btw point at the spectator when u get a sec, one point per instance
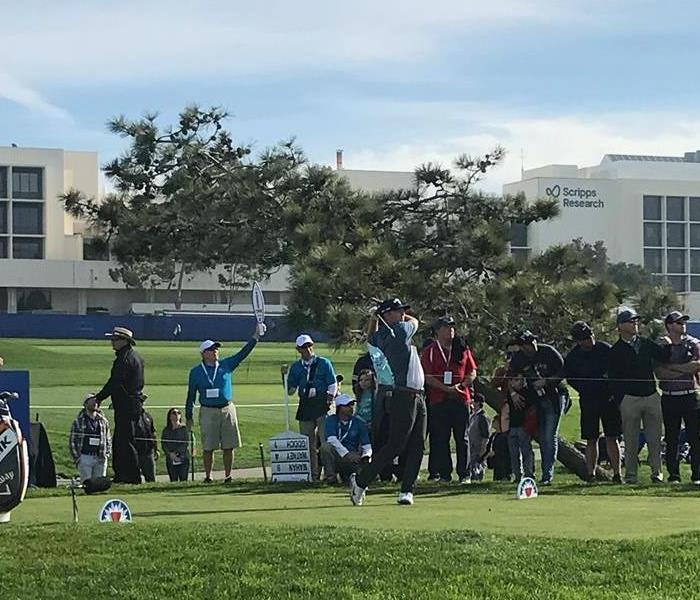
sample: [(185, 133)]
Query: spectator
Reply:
[(125, 387), (498, 453), (520, 398), (90, 443), (450, 370), (392, 345), (679, 399), (346, 443), (175, 442), (542, 367), (366, 387), (585, 368), (477, 438), (315, 379), (363, 363), (631, 374), (212, 381), (146, 446)]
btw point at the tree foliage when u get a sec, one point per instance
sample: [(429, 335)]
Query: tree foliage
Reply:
[(189, 199)]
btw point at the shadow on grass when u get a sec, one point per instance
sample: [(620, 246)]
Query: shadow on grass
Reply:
[(185, 513)]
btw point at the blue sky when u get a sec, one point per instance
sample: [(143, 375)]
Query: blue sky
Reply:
[(392, 83)]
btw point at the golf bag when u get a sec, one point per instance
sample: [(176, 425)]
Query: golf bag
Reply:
[(14, 459)]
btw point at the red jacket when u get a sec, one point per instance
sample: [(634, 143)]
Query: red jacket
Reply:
[(436, 361)]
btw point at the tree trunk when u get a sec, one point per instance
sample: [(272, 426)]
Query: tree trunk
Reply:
[(178, 297)]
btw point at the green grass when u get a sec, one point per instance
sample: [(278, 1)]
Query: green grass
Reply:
[(257, 541), (63, 371)]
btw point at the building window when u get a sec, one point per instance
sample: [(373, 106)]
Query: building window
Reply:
[(3, 247), (675, 235), (653, 260), (519, 243), (675, 261), (3, 217), (28, 218), (95, 249), (27, 247), (3, 182), (28, 300), (675, 208), (652, 234), (677, 283), (652, 208), (27, 183), (694, 209), (695, 284)]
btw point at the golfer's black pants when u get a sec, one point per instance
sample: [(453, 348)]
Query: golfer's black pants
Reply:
[(675, 409), (449, 418), (125, 459), (406, 434)]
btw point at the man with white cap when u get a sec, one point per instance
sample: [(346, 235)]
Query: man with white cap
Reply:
[(314, 377), (211, 379), (346, 443), (125, 387), (679, 398)]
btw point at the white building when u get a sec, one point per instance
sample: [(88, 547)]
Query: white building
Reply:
[(49, 264), (646, 210)]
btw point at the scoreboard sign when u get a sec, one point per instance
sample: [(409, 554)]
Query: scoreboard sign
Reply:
[(289, 453)]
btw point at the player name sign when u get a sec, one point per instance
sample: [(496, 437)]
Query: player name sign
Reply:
[(289, 453)]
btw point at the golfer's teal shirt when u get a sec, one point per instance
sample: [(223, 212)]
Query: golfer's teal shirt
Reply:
[(204, 377)]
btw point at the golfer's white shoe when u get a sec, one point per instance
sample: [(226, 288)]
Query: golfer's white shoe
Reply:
[(357, 493), (405, 498)]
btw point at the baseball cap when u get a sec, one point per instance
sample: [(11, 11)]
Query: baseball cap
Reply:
[(303, 340), (675, 316), (444, 321), (391, 304), (121, 333), (344, 400), (581, 330), (208, 345), (626, 315)]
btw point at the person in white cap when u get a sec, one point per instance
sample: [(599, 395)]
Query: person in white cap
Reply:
[(125, 387), (90, 444), (346, 444), (315, 379), (211, 379)]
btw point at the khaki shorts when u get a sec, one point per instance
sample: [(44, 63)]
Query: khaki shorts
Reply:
[(219, 428)]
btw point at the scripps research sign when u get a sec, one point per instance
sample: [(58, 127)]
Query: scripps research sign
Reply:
[(575, 196)]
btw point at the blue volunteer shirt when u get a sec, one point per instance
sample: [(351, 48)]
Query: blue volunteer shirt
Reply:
[(204, 377), (352, 435)]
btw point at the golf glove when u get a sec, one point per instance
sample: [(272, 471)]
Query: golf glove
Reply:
[(261, 329)]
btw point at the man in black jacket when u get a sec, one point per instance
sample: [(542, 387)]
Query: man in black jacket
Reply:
[(125, 386), (631, 374), (586, 367)]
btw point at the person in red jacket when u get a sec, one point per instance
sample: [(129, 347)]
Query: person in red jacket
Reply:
[(450, 370)]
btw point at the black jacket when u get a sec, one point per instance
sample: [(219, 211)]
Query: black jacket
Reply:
[(632, 371), (125, 384)]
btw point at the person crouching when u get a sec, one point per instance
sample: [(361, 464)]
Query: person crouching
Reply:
[(346, 444)]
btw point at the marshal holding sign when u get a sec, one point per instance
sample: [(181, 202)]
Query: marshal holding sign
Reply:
[(289, 452), (14, 460)]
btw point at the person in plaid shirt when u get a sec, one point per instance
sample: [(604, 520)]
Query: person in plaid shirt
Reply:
[(90, 441)]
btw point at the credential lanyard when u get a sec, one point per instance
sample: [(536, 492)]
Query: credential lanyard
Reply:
[(216, 369), (340, 428), (447, 358)]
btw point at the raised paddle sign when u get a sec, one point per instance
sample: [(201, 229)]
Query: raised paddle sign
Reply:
[(258, 303)]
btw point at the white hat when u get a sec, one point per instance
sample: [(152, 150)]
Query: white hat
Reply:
[(303, 339), (208, 345), (121, 333), (343, 400)]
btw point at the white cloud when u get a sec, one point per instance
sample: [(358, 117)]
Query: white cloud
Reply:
[(15, 91), (88, 43), (579, 139)]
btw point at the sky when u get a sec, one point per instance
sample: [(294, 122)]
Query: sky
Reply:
[(393, 83)]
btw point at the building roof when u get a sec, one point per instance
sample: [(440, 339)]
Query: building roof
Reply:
[(689, 157)]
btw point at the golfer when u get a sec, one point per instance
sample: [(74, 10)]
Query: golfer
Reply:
[(392, 344)]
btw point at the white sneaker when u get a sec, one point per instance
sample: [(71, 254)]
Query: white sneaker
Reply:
[(405, 498), (357, 493), (696, 481)]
